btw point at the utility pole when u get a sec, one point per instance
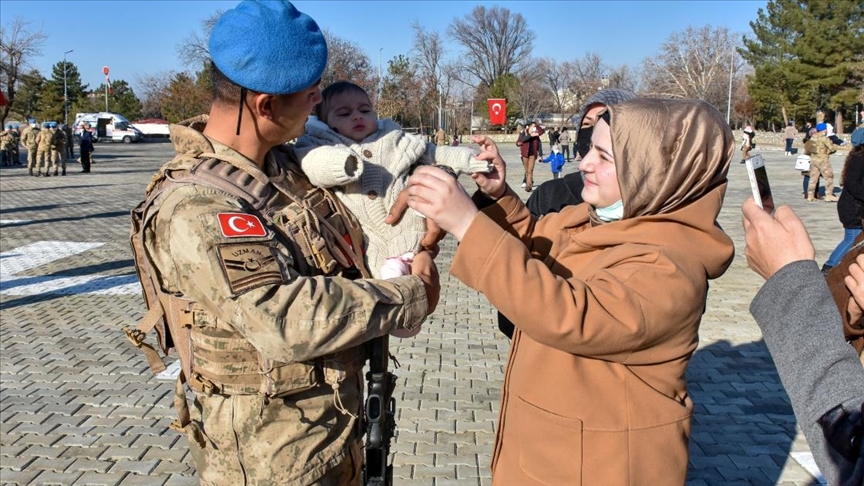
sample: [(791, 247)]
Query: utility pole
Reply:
[(729, 102), (65, 99), (380, 79)]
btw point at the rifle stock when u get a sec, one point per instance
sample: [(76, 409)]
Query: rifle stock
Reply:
[(380, 415)]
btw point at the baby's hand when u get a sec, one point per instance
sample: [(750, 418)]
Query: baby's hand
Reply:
[(397, 266)]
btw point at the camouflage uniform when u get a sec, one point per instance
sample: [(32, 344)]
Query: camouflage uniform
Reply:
[(70, 142), (44, 151), (6, 139), (29, 139), (820, 164), (58, 150), (261, 290)]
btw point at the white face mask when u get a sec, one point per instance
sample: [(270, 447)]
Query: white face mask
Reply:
[(611, 213)]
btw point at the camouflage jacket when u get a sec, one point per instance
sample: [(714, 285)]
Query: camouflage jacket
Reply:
[(6, 139), (29, 137), (823, 147), (217, 250)]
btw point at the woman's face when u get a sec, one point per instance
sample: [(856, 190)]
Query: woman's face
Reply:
[(598, 169)]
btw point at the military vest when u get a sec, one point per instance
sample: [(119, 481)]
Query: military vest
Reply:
[(215, 358)]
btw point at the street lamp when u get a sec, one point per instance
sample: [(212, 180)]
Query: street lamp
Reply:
[(65, 100)]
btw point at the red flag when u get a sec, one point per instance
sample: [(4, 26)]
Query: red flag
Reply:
[(497, 111), (108, 82), (235, 225)]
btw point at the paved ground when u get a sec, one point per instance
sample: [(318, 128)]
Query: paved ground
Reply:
[(79, 405)]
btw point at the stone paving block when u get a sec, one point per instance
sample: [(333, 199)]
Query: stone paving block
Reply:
[(15, 463), (148, 480), (83, 464), (134, 466), (753, 475), (177, 480), (171, 468), (47, 464), (116, 453), (77, 441), (44, 451), (457, 482), (100, 479), (64, 479), (18, 477), (437, 472)]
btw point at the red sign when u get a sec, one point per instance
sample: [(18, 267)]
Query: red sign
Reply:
[(497, 111), (105, 70), (236, 225)]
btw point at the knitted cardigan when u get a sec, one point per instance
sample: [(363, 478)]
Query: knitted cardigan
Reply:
[(368, 176)]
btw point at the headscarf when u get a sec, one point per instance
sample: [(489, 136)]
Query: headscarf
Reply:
[(668, 153)]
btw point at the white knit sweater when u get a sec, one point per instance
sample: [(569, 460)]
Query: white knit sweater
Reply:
[(368, 176)]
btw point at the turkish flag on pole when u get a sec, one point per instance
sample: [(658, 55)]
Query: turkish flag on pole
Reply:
[(497, 111)]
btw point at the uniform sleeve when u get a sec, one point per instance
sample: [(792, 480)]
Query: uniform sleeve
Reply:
[(613, 315), (251, 283)]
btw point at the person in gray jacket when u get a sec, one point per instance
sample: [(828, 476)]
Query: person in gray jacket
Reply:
[(804, 333)]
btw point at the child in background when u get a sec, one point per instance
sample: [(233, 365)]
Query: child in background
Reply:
[(555, 161), (367, 162)]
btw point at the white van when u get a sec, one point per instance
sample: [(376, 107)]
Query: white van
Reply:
[(107, 126)]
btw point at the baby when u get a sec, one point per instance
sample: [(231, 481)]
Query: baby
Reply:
[(367, 162)]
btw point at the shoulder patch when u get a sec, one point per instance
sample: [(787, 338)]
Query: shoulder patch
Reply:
[(240, 225), (249, 265)]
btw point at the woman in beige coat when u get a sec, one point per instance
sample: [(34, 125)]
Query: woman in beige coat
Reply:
[(606, 296)]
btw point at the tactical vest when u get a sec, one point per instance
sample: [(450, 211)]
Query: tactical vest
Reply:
[(214, 357)]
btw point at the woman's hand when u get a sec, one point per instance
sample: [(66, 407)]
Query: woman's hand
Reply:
[(495, 182), (438, 196), (855, 283), (773, 243)]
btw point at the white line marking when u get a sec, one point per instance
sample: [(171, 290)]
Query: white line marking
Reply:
[(14, 221), (40, 253), (807, 462)]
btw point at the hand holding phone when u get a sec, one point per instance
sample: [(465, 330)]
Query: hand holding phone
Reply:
[(759, 183)]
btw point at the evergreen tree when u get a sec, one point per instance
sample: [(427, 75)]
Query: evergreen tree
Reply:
[(803, 53), (28, 100), (52, 92), (121, 99)]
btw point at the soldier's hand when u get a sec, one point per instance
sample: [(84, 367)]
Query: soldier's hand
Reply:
[(434, 233), (424, 267)]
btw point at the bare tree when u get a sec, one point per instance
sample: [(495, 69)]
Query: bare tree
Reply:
[(347, 62), (428, 52), (692, 64), (496, 42), (17, 46), (154, 90), (193, 50), (530, 95), (556, 79)]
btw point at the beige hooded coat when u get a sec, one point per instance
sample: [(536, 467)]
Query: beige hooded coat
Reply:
[(607, 314)]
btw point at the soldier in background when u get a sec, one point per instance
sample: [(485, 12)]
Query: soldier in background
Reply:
[(28, 138), (280, 320), (820, 164), (58, 149), (6, 139), (70, 142), (44, 142)]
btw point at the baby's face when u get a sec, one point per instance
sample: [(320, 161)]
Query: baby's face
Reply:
[(351, 115)]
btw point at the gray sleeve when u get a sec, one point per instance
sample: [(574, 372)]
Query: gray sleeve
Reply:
[(804, 333)]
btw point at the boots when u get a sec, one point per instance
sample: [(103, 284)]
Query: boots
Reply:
[(56, 172), (810, 197), (31, 171), (830, 197), (64, 171)]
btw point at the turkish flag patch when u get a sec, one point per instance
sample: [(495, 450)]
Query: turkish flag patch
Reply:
[(240, 225)]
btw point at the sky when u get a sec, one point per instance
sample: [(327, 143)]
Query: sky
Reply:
[(135, 38)]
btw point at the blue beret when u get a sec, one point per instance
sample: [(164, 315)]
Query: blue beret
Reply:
[(269, 47), (821, 126)]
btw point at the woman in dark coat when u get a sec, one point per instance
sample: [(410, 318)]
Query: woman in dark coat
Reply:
[(850, 207)]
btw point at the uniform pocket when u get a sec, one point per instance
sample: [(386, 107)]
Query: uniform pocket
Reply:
[(550, 446)]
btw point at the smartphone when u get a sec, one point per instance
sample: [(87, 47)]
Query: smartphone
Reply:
[(759, 183)]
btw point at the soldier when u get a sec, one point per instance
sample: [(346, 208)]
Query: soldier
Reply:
[(70, 142), (6, 139), (249, 266), (16, 134), (44, 152), (58, 148), (820, 163), (29, 139)]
